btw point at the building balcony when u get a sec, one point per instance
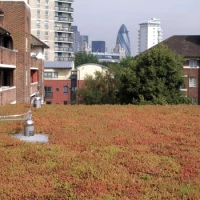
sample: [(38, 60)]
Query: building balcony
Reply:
[(63, 29), (61, 58), (7, 56), (64, 19), (7, 95), (63, 49), (64, 9), (64, 39)]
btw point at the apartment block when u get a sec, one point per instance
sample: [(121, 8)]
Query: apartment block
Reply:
[(149, 34), (51, 22)]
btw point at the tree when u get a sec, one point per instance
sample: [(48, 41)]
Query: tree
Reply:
[(153, 77), (83, 57), (98, 89)]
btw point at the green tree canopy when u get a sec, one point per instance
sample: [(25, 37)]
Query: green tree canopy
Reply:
[(153, 77), (83, 57), (97, 89)]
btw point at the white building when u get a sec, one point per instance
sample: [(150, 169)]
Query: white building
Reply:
[(149, 34), (51, 22)]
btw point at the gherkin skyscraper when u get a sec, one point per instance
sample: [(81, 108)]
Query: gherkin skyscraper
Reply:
[(123, 40)]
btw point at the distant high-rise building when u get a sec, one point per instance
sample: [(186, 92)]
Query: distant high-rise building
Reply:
[(51, 22), (99, 46), (84, 42), (76, 38), (80, 41), (150, 34), (123, 40)]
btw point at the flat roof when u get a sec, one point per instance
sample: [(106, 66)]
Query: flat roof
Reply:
[(58, 64)]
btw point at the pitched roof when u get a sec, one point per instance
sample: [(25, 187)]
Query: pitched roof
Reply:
[(185, 45), (36, 42), (58, 64)]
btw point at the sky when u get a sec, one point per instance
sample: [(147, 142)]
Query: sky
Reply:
[(101, 19)]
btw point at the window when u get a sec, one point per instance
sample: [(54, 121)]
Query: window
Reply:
[(47, 2), (192, 82), (48, 92), (38, 13), (46, 24), (48, 102), (46, 13), (46, 33), (46, 53), (38, 33), (193, 100), (65, 102), (50, 74), (57, 89), (38, 23), (193, 63), (38, 1), (65, 89)]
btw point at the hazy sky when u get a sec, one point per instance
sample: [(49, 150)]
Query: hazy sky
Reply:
[(101, 19)]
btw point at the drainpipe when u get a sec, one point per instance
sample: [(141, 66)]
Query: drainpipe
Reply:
[(1, 97)]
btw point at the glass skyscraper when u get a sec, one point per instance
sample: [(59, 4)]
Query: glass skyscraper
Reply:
[(123, 40), (99, 46)]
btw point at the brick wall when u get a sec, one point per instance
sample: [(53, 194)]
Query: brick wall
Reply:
[(7, 56), (7, 96), (17, 21), (58, 96), (192, 92)]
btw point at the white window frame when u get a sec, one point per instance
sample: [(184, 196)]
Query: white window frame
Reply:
[(193, 63), (192, 82)]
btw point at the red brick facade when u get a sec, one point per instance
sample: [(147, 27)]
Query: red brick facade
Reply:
[(57, 93), (17, 21), (192, 92), (8, 96), (7, 56), (16, 64)]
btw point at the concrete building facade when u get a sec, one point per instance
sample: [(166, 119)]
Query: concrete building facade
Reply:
[(51, 22), (149, 34)]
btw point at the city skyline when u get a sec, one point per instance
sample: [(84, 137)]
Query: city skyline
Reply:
[(100, 20)]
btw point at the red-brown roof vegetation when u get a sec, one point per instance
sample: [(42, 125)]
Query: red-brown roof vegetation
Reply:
[(103, 152)]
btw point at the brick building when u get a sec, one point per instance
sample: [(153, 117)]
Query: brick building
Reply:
[(57, 82), (188, 46), (61, 80), (16, 73)]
